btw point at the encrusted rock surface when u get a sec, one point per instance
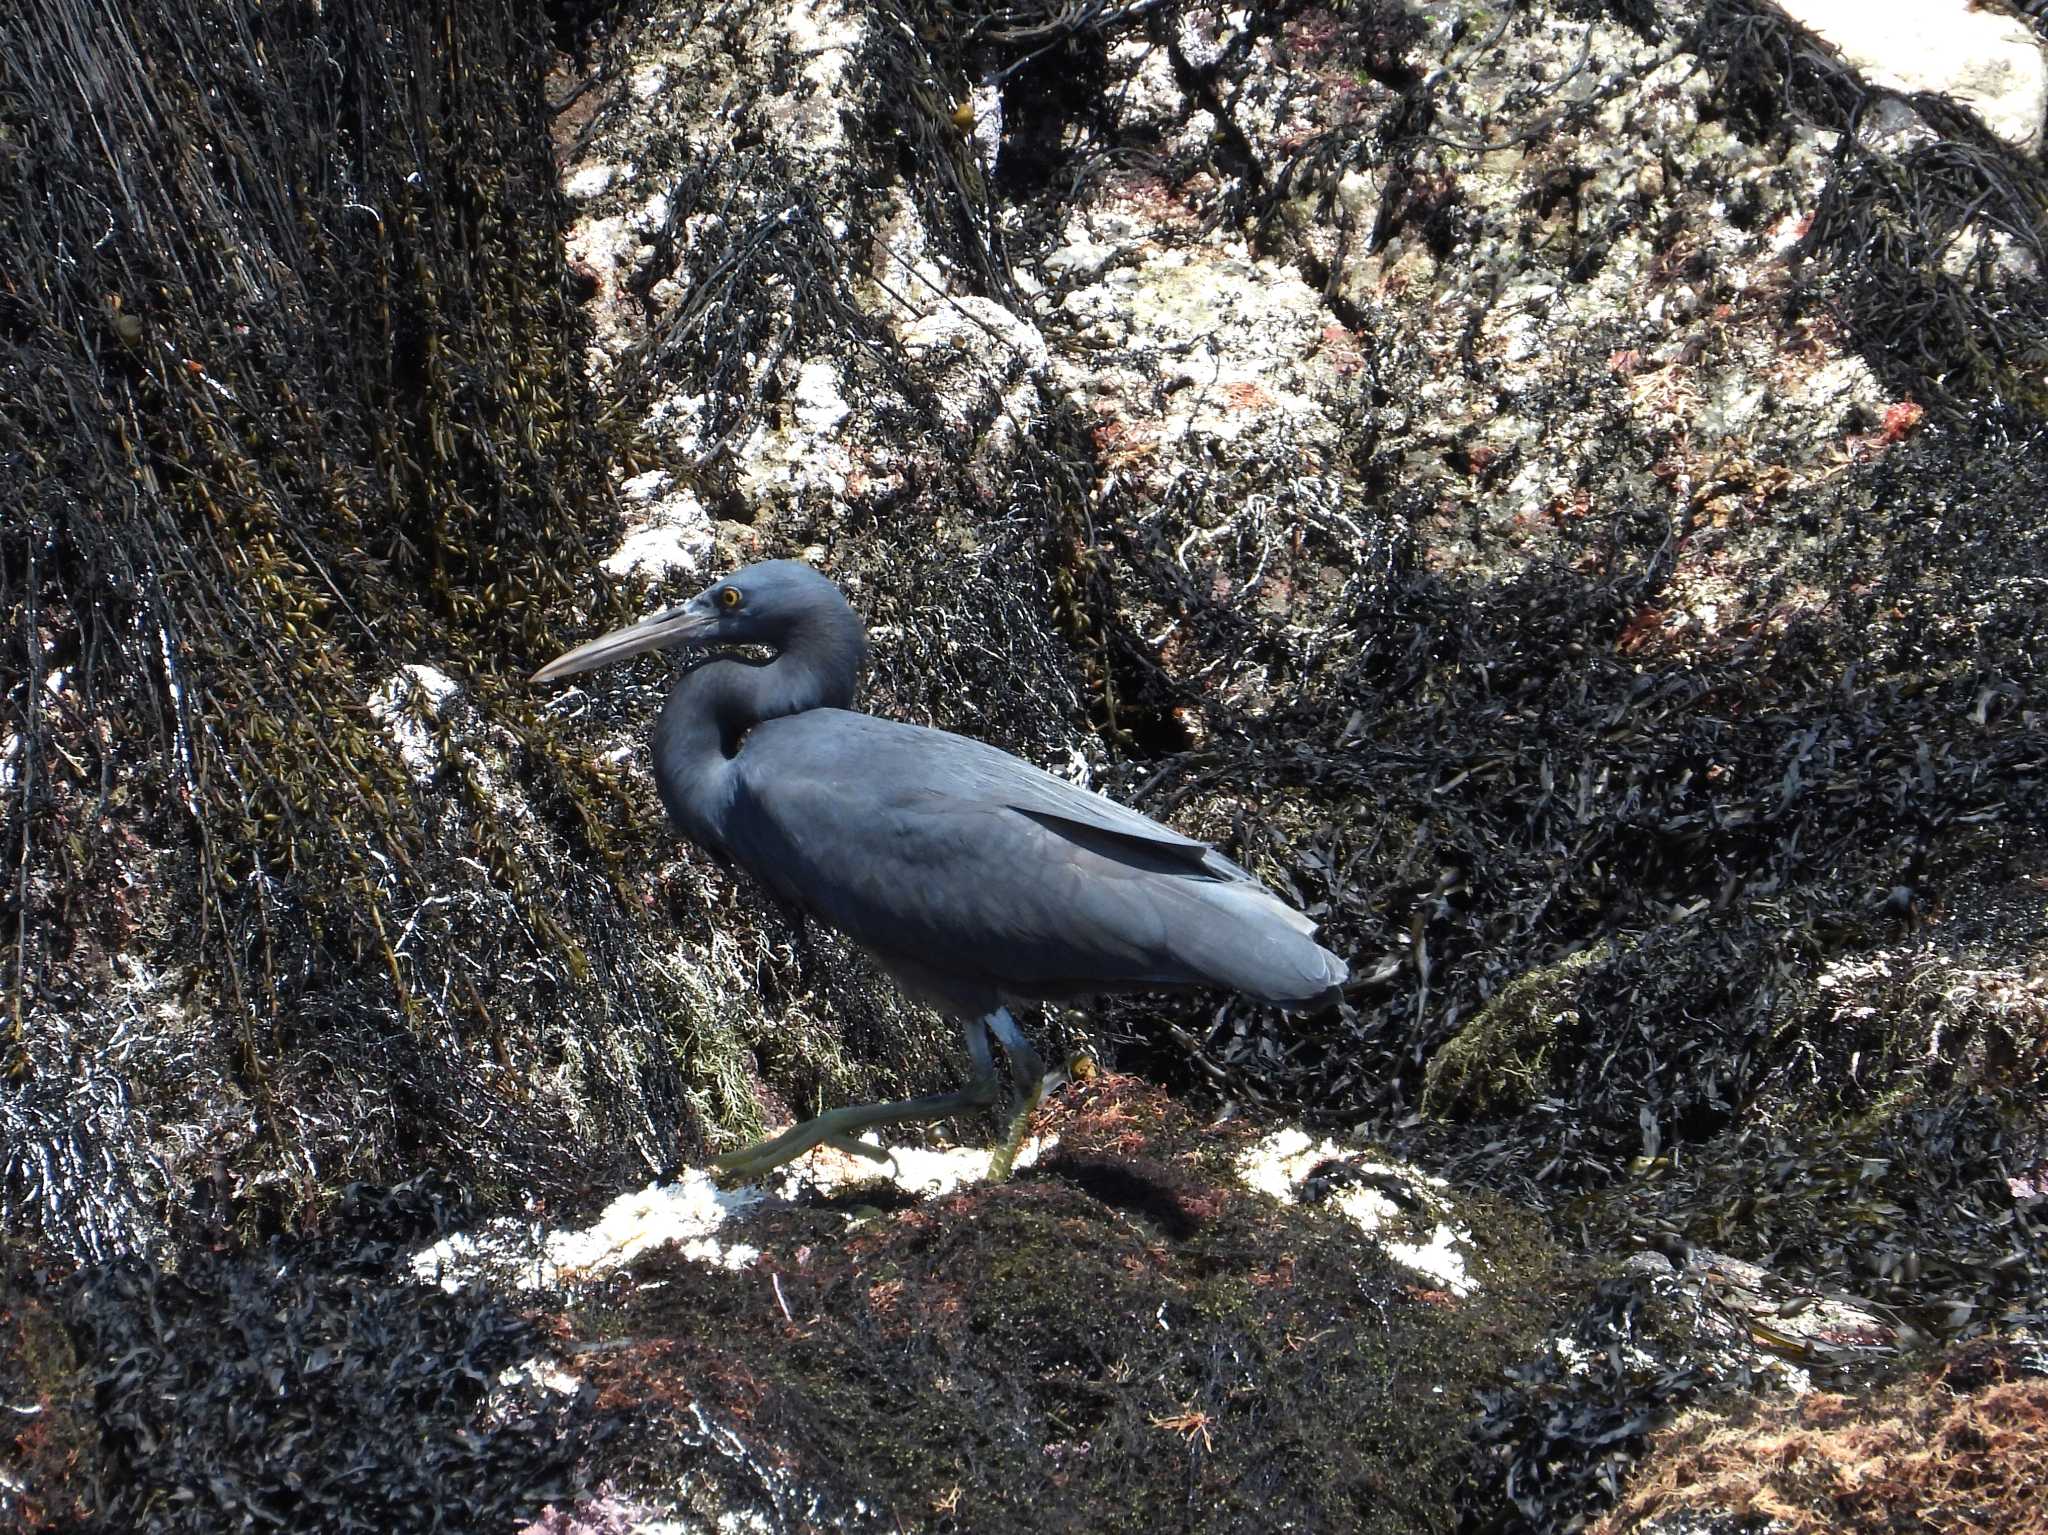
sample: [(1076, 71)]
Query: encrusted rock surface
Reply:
[(1586, 293)]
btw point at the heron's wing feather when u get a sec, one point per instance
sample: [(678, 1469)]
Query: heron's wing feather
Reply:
[(978, 772), (963, 859), (846, 742)]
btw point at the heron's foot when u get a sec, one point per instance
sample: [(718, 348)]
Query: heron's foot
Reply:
[(1030, 1083), (842, 1127), (855, 1147), (1002, 1161), (1030, 1093)]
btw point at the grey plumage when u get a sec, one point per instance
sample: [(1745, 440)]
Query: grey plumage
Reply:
[(972, 878)]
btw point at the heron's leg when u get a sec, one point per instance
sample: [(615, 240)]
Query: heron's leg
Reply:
[(1025, 1064), (980, 1055), (1029, 1083), (839, 1127)]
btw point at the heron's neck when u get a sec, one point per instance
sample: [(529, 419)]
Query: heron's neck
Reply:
[(710, 710)]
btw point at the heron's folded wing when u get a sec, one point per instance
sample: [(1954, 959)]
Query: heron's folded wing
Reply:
[(1024, 899), (850, 748)]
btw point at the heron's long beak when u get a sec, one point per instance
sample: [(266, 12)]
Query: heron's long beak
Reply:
[(694, 620)]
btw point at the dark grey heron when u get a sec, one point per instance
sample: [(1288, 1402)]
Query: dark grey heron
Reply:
[(970, 877)]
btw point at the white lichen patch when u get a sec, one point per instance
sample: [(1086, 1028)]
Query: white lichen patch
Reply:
[(690, 1214), (807, 452), (817, 403), (984, 105), (824, 39), (687, 1214), (668, 530), (907, 280), (408, 704), (589, 181), (606, 250), (1639, 264), (548, 1376), (1277, 1164), (985, 365), (928, 1171), (623, 180), (1198, 347), (1579, 1358), (1149, 96)]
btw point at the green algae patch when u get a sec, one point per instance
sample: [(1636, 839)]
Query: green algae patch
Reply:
[(1119, 1339), (1501, 1059)]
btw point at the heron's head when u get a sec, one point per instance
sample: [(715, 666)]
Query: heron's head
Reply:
[(765, 604)]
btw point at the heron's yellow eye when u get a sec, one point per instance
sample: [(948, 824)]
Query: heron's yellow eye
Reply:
[(729, 597)]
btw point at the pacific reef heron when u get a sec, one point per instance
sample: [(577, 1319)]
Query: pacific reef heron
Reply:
[(970, 877)]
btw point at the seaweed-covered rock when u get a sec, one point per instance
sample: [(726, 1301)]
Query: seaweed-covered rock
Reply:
[(313, 1386), (1126, 1334), (305, 889), (49, 1451)]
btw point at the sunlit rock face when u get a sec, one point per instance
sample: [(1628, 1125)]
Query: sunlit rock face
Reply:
[(1987, 60)]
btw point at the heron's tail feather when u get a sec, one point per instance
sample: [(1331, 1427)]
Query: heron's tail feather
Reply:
[(1237, 934)]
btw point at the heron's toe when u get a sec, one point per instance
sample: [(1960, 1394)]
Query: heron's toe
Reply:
[(744, 1166), (855, 1146), (763, 1157)]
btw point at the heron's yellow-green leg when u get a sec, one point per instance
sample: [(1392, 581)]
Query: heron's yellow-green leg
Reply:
[(840, 1127)]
